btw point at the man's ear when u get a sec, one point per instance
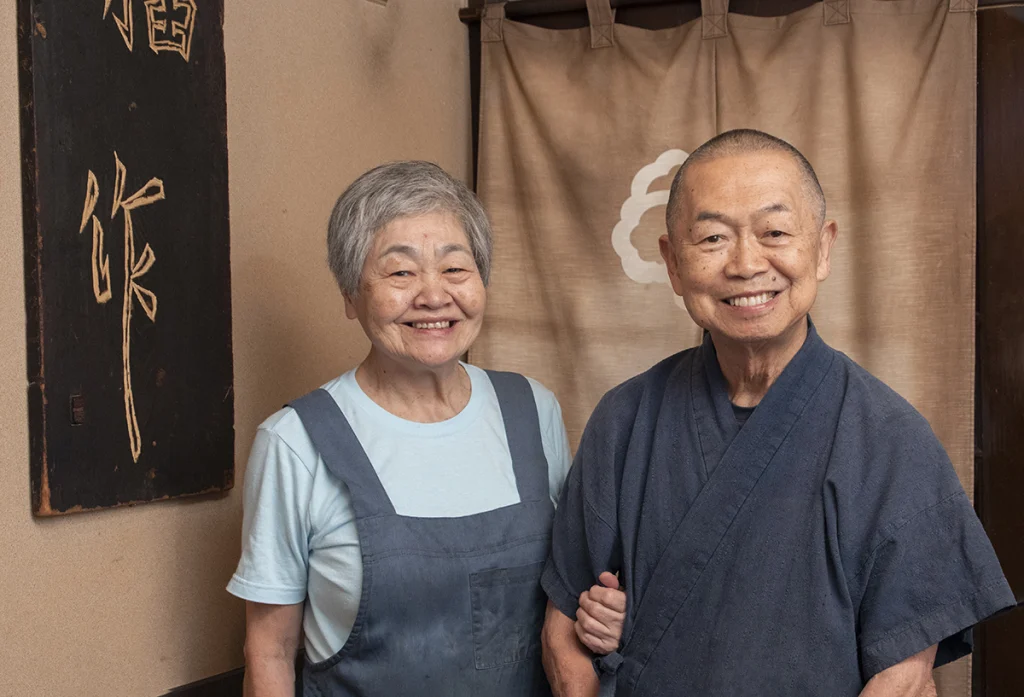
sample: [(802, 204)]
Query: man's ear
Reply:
[(668, 253), (350, 308), (826, 240)]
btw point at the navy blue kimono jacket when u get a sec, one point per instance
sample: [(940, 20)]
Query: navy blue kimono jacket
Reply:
[(822, 542)]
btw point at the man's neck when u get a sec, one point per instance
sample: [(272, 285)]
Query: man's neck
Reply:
[(750, 369)]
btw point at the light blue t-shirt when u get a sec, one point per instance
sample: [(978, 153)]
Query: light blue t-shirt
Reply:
[(299, 538)]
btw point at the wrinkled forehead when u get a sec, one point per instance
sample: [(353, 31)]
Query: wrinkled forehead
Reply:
[(744, 185), (432, 228)]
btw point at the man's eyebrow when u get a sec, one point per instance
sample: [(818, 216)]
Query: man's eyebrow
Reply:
[(722, 218), (403, 249), (711, 215)]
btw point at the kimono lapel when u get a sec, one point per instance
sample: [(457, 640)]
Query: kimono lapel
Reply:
[(712, 412), (735, 459)]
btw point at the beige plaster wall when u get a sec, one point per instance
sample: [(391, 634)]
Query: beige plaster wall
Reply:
[(130, 602)]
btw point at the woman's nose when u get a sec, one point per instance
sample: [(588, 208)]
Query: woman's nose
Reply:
[(432, 292)]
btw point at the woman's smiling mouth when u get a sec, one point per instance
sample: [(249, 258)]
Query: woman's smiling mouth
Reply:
[(444, 324)]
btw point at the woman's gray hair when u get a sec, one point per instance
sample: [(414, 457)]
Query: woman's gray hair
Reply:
[(392, 191)]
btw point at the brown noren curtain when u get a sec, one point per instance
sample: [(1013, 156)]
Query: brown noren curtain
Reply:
[(582, 130)]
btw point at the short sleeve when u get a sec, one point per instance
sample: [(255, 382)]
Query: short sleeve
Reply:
[(929, 573), (929, 583), (553, 437), (275, 524), (583, 541)]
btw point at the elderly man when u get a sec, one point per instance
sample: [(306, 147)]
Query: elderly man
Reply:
[(783, 522)]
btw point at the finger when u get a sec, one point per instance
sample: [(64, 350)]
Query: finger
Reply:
[(589, 640), (612, 599), (595, 644), (588, 624), (609, 580), (601, 648), (600, 611), (580, 633), (594, 628)]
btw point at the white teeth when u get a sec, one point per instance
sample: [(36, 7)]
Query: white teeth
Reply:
[(431, 325), (751, 300)]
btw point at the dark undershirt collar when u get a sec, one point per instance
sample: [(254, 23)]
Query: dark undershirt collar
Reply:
[(742, 413)]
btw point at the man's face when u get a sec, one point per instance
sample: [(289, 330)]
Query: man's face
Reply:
[(746, 251)]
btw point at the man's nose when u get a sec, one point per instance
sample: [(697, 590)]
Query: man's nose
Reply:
[(746, 259)]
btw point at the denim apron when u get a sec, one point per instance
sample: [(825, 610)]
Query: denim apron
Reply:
[(449, 606)]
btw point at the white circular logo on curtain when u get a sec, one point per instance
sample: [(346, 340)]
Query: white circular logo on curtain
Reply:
[(641, 200)]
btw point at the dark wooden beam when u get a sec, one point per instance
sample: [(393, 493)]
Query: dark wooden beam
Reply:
[(1000, 335), (641, 12)]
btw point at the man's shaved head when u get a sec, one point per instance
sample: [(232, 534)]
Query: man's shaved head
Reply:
[(740, 142)]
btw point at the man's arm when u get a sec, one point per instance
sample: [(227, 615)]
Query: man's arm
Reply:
[(566, 662), (911, 677), (271, 643)]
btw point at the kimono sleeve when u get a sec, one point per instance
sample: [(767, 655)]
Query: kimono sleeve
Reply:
[(585, 538), (929, 572)]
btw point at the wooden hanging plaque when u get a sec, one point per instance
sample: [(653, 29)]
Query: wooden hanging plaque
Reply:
[(127, 277)]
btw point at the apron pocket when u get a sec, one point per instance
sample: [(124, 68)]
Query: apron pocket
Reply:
[(508, 614)]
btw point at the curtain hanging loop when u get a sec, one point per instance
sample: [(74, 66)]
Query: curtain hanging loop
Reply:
[(714, 18), (602, 23), (491, 23), (963, 5), (837, 12)]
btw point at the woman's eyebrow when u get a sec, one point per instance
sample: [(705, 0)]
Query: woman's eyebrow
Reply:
[(403, 249), (452, 247)]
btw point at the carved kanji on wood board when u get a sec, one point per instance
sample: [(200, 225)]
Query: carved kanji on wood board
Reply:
[(124, 161)]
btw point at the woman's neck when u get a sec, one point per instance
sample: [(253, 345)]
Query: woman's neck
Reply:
[(415, 392)]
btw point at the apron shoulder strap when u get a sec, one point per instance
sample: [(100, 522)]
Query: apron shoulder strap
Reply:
[(342, 453), (522, 429)]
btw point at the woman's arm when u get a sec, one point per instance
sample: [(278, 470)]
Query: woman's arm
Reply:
[(566, 662), (908, 678), (271, 643)]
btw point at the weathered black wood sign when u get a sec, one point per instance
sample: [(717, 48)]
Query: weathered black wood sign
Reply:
[(127, 272)]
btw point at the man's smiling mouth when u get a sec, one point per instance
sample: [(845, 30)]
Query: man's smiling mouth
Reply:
[(751, 300)]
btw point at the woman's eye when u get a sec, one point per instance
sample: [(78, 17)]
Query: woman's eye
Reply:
[(454, 269), (400, 274)]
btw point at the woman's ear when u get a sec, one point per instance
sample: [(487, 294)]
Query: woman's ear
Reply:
[(350, 307)]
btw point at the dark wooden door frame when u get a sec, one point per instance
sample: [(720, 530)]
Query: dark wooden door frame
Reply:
[(999, 404)]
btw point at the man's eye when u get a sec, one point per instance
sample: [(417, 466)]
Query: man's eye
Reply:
[(776, 233), (713, 239), (453, 269)]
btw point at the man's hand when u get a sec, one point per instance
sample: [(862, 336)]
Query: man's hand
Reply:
[(601, 615), (911, 677)]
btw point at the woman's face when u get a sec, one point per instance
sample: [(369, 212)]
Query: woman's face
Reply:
[(421, 299)]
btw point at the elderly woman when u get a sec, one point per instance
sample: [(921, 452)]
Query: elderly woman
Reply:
[(400, 515)]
